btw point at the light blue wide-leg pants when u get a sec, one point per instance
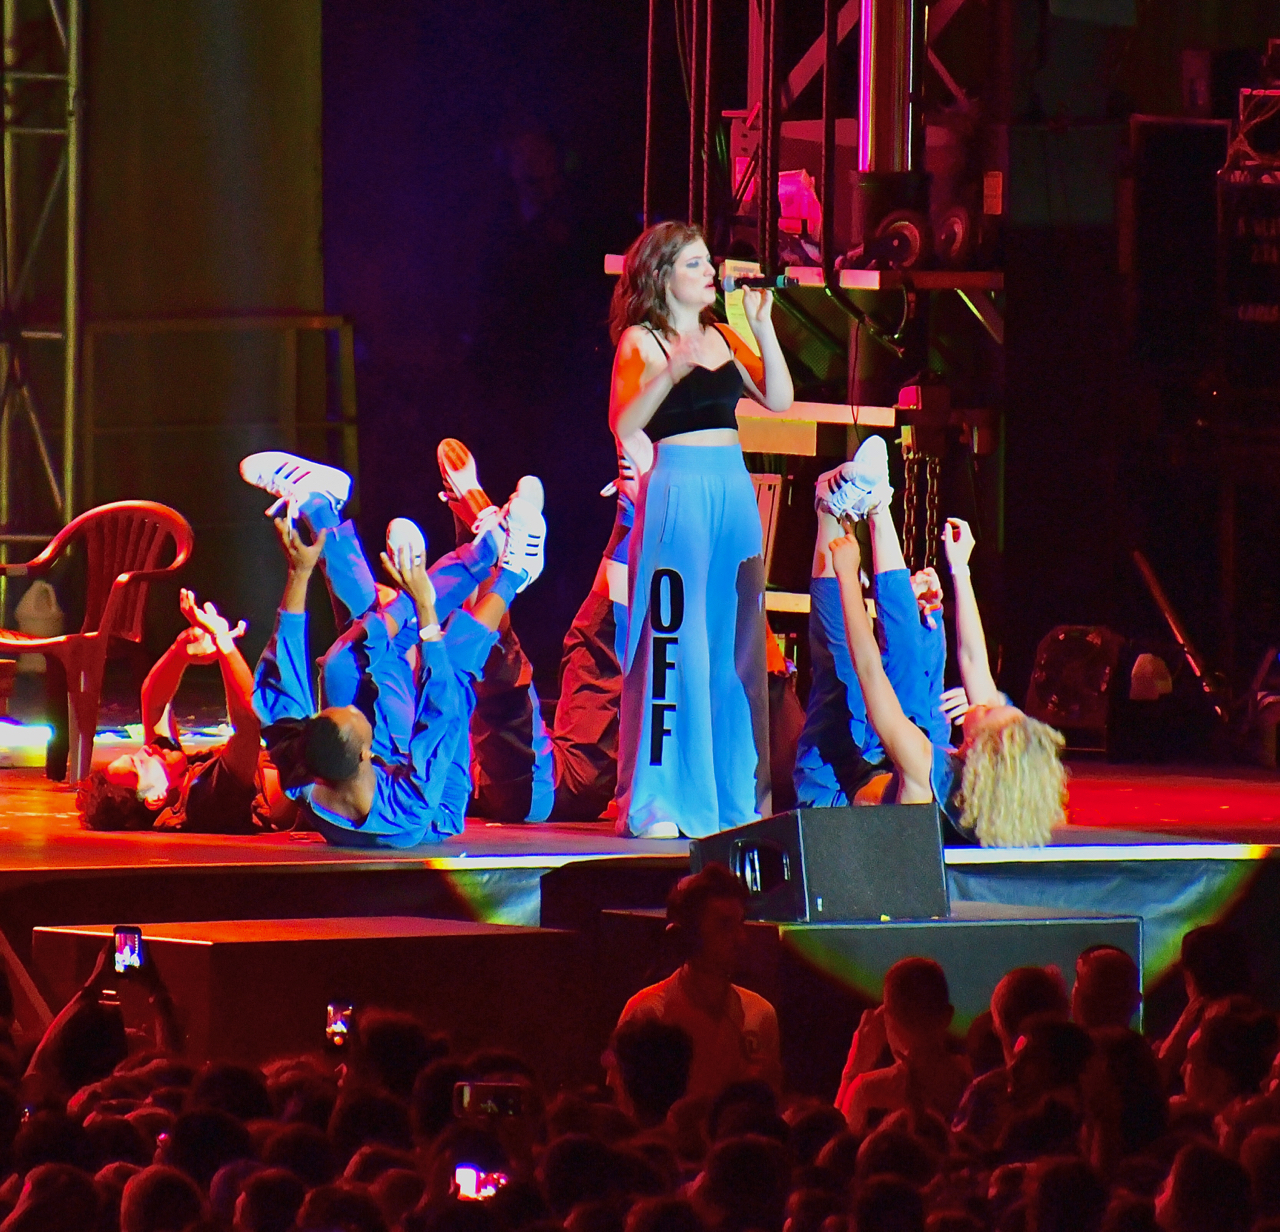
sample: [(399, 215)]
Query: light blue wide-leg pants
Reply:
[(694, 721)]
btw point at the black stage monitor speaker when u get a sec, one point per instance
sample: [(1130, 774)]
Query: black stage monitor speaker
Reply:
[(830, 865)]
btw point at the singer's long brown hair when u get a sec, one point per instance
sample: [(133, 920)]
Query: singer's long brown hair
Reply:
[(640, 298)]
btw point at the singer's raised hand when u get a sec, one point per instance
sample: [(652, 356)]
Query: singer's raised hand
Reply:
[(758, 306)]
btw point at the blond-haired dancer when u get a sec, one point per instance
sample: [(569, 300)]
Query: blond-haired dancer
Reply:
[(1005, 785)]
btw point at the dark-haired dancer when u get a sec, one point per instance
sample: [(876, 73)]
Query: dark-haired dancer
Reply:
[(693, 752), (334, 763), (228, 789)]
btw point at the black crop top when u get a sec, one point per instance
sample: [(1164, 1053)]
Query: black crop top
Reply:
[(706, 398)]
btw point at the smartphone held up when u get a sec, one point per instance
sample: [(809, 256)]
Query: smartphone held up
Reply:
[(339, 1019), (472, 1184), (481, 1100), (128, 949)]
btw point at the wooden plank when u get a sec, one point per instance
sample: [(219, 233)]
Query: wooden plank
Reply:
[(875, 416), (230, 324), (922, 280), (800, 429), (789, 436), (786, 601), (799, 412), (806, 275)]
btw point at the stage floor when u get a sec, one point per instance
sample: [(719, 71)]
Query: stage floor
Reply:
[(1229, 804), (1109, 806), (39, 829)]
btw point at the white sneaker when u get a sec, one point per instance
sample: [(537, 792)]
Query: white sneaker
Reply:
[(529, 488), (660, 829), (293, 479), (403, 533), (857, 488), (462, 491), (490, 523), (526, 531)]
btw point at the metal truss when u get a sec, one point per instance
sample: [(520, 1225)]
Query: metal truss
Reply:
[(39, 213), (771, 91)]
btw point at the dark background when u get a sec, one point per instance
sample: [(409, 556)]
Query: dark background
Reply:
[(479, 161)]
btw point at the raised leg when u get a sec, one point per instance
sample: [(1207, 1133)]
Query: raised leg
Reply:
[(585, 732), (838, 748)]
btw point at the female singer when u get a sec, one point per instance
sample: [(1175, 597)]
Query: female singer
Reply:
[(693, 752)]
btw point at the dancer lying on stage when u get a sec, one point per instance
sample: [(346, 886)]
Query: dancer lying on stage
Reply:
[(386, 763), (1005, 785), (229, 789), (839, 752)]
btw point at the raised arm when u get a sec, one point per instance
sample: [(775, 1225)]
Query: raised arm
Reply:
[(302, 560), (773, 389), (50, 1061), (241, 753), (282, 683), (971, 642), (161, 686), (908, 747), (865, 1052)]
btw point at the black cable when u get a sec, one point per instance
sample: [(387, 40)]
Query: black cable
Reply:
[(682, 50)]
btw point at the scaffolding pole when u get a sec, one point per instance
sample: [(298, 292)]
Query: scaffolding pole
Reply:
[(42, 102), (71, 290)]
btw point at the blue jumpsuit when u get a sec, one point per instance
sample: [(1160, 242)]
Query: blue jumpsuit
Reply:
[(420, 720), (368, 666), (694, 722), (839, 751), (417, 798)]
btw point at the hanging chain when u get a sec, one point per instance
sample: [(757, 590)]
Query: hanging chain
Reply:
[(933, 471), (910, 499)]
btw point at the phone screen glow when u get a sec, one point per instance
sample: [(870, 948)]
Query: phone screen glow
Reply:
[(128, 950)]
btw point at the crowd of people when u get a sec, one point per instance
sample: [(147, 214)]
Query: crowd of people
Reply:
[(1051, 1114)]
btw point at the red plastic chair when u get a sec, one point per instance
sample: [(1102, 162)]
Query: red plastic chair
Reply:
[(123, 542)]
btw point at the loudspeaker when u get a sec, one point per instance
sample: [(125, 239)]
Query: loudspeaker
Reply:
[(1074, 674), (830, 865), (1249, 222)]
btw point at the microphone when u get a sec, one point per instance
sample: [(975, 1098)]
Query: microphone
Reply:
[(758, 282)]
